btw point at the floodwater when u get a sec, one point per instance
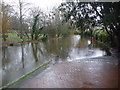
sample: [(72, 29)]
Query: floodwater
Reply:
[(20, 59)]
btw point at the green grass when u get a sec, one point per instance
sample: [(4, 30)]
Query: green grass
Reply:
[(14, 38), (22, 77), (12, 34)]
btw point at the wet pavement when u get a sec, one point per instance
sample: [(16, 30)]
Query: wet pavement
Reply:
[(101, 72)]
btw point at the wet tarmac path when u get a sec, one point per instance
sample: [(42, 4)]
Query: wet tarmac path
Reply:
[(99, 72)]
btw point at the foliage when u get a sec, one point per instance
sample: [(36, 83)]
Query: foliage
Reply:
[(56, 27), (77, 32), (36, 30), (63, 29), (101, 35), (78, 13), (89, 14), (58, 30)]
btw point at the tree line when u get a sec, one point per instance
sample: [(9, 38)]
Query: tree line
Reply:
[(87, 15), (83, 16), (32, 22)]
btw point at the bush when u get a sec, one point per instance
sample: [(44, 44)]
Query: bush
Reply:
[(101, 35)]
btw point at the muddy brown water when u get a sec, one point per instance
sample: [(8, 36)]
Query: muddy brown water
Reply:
[(19, 59)]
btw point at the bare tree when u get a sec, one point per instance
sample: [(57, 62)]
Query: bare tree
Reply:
[(21, 17), (22, 8), (42, 16), (14, 22), (5, 20)]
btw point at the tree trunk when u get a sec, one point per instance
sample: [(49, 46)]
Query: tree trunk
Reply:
[(21, 19)]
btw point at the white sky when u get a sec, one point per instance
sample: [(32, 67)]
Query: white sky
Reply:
[(46, 5)]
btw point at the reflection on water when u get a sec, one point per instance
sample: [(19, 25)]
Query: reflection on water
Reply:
[(18, 60)]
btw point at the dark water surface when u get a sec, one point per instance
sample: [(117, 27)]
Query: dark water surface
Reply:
[(21, 59)]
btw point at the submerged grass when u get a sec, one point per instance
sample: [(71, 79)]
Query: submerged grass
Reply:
[(22, 77)]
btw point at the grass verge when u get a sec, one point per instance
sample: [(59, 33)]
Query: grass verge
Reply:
[(22, 77)]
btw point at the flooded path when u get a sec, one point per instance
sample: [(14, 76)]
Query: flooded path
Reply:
[(99, 72), (20, 59)]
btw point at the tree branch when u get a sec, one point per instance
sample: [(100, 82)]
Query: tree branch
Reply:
[(96, 10)]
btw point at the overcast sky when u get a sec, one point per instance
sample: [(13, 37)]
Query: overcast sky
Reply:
[(43, 4), (47, 5)]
